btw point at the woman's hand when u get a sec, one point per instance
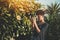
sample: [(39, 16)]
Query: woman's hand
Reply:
[(33, 20), (35, 24)]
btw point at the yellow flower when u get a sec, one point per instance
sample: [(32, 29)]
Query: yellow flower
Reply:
[(22, 5), (18, 17)]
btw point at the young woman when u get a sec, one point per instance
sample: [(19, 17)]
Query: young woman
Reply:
[(39, 26)]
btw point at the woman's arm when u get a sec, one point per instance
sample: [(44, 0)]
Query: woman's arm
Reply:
[(36, 26), (32, 23)]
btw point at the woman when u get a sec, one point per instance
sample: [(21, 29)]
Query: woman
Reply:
[(40, 26)]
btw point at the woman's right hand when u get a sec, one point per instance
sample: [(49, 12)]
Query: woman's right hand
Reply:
[(33, 20), (35, 24)]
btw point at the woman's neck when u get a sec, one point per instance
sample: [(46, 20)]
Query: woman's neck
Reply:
[(42, 22)]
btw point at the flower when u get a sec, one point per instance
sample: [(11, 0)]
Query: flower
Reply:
[(24, 5), (18, 17)]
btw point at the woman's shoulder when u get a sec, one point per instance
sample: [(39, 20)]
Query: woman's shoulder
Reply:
[(46, 24)]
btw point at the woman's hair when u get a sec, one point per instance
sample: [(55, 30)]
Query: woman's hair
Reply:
[(40, 12)]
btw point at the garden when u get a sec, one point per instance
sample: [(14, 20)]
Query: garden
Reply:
[(15, 16)]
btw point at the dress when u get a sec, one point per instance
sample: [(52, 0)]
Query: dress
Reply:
[(41, 35)]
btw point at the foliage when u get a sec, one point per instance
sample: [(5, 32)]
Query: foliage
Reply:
[(54, 22), (23, 5), (15, 17)]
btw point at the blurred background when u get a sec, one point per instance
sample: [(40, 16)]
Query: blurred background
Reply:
[(15, 16)]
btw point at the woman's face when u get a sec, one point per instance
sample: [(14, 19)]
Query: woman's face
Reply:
[(40, 17)]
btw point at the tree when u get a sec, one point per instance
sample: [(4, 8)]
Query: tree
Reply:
[(54, 21), (53, 10)]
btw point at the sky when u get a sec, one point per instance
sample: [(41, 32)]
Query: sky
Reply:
[(48, 2)]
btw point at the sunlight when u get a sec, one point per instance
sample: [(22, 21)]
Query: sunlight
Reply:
[(23, 5)]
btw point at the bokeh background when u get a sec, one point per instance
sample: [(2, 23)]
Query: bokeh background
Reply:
[(15, 16)]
